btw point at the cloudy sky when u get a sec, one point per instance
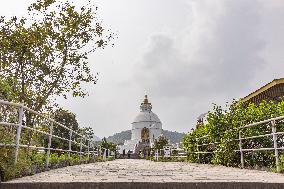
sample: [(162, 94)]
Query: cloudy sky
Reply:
[(185, 54)]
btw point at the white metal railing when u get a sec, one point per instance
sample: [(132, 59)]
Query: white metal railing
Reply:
[(13, 115), (271, 122), (162, 153)]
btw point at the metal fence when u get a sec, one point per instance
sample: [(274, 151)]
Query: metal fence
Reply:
[(276, 140), (169, 152), (13, 119)]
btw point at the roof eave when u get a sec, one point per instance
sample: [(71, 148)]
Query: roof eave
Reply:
[(262, 89)]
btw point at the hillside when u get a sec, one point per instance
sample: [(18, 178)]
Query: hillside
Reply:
[(95, 138), (173, 136), (119, 138)]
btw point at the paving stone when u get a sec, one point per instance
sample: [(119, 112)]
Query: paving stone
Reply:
[(129, 170)]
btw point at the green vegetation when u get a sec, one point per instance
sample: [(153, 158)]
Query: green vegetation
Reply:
[(43, 56), (69, 120), (33, 161), (223, 126), (36, 162), (108, 145), (160, 142)]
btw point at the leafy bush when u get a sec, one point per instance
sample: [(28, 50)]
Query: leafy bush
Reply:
[(32, 162), (223, 128), (111, 158)]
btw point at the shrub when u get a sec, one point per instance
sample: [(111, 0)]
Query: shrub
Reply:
[(223, 128)]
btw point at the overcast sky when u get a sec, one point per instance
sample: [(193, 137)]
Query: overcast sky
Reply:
[(185, 54)]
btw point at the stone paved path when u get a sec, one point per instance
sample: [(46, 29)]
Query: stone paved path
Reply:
[(147, 171)]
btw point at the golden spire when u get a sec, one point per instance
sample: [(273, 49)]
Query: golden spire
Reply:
[(146, 105), (146, 99)]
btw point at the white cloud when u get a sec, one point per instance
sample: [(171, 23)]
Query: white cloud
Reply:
[(186, 54)]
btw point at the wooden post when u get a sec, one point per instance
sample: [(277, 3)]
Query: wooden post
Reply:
[(273, 124), (241, 149), (49, 144), (21, 116)]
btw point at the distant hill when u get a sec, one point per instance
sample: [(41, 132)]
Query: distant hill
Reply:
[(173, 136), (119, 138), (95, 138)]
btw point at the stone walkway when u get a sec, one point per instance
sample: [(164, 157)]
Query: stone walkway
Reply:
[(130, 170)]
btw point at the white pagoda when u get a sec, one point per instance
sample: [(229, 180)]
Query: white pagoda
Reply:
[(146, 127)]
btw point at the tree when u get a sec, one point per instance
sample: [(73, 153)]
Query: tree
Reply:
[(6, 91), (46, 54), (88, 132), (108, 145), (160, 142), (69, 120)]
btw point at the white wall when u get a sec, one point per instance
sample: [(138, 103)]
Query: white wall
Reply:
[(155, 129)]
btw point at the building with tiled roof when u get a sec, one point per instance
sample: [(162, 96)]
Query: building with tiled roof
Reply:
[(273, 91)]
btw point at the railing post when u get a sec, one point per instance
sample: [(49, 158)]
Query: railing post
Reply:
[(70, 145), (93, 150), (275, 145), (104, 152), (99, 151), (21, 116), (197, 150), (88, 149), (157, 155), (80, 155), (49, 144), (241, 149), (104, 155)]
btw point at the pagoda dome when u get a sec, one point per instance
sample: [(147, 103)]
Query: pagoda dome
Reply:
[(146, 127), (145, 116)]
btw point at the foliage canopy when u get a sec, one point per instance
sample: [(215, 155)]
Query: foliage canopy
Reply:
[(223, 127), (160, 142), (46, 54)]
